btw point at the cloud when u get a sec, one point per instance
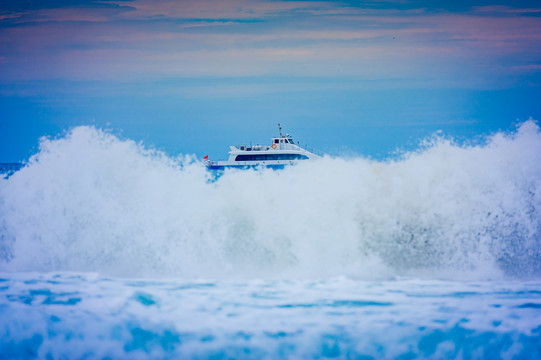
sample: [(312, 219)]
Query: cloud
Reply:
[(528, 68), (27, 12), (151, 39), (71, 15), (501, 9), (214, 9)]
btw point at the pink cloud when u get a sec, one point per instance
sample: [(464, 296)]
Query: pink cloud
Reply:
[(505, 10), (527, 68), (71, 14), (9, 16), (214, 9), (77, 44)]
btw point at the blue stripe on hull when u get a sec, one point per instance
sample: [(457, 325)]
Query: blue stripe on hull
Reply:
[(245, 167)]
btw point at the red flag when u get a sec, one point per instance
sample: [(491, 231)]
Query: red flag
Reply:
[(206, 157)]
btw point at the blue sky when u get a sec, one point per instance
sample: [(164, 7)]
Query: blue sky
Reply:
[(346, 77)]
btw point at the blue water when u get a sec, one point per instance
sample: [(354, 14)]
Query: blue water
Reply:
[(112, 250), (62, 315)]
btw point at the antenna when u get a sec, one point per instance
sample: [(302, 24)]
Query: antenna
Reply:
[(280, 129)]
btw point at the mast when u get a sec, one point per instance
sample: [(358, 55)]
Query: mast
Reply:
[(280, 129)]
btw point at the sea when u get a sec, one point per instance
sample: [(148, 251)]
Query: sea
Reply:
[(113, 250)]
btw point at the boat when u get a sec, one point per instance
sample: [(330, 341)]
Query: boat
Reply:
[(282, 152)]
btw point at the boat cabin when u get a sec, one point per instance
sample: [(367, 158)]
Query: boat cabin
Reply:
[(282, 151)]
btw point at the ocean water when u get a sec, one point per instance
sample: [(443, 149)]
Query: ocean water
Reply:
[(112, 250), (75, 316)]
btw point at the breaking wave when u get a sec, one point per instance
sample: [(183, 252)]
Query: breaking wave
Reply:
[(92, 202)]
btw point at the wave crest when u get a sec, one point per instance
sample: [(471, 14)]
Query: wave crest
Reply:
[(92, 202)]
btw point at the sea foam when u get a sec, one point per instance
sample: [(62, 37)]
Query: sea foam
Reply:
[(90, 201)]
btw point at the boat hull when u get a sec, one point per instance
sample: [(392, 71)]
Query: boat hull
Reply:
[(246, 167)]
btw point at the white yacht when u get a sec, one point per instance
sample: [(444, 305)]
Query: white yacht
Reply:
[(282, 151)]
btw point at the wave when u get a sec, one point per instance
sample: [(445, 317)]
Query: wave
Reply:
[(90, 201)]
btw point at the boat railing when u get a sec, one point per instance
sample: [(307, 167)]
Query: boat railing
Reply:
[(253, 147), (312, 150), (284, 147)]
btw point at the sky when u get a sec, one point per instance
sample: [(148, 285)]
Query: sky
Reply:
[(348, 78)]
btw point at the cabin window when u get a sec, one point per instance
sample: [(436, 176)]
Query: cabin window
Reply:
[(276, 141), (263, 157), (290, 141)]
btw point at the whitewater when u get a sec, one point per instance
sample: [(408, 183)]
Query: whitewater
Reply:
[(110, 249)]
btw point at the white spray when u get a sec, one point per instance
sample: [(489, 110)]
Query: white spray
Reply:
[(92, 202)]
